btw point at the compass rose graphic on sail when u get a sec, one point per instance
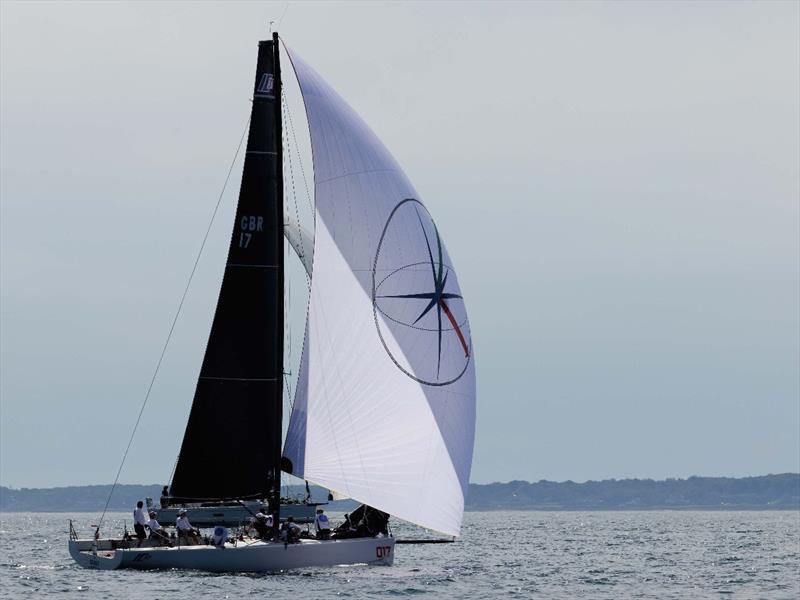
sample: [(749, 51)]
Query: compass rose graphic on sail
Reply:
[(418, 307)]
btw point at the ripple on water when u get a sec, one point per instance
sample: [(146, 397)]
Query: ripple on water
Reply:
[(516, 554)]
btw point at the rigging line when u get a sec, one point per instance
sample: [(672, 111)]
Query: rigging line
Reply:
[(286, 8), (288, 338), (172, 327), (287, 290), (288, 287), (297, 149), (294, 191), (288, 391), (288, 156)]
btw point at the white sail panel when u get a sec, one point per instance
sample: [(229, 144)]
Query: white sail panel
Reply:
[(300, 239), (385, 404)]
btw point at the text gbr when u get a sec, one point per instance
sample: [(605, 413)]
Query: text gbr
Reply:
[(248, 224)]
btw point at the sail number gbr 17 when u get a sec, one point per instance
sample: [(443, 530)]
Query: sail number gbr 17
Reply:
[(247, 225)]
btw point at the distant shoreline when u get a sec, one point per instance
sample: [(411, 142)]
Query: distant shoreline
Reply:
[(766, 492), (762, 493)]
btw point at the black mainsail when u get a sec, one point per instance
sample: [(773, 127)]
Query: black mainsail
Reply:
[(232, 444)]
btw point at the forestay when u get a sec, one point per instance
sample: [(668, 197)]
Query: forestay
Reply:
[(385, 404)]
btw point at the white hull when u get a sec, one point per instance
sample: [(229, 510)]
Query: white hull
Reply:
[(256, 557)]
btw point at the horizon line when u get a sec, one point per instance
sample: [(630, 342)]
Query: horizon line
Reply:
[(610, 479)]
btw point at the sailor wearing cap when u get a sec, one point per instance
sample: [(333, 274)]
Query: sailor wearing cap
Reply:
[(263, 524), (185, 529), (157, 532)]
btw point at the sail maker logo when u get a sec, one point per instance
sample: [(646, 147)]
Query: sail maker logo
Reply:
[(419, 311), (265, 84)]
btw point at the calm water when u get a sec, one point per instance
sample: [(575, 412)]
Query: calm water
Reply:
[(502, 554)]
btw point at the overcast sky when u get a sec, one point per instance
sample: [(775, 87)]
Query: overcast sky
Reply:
[(618, 185)]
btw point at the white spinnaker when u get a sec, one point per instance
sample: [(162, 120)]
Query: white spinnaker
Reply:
[(385, 404)]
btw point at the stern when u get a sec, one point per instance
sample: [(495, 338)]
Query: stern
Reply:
[(87, 554)]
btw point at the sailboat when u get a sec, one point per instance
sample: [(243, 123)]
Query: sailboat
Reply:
[(384, 406)]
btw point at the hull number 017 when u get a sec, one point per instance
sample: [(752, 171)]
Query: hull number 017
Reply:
[(382, 551)]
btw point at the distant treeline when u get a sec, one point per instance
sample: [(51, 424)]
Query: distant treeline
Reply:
[(705, 493), (92, 498), (718, 493), (78, 498)]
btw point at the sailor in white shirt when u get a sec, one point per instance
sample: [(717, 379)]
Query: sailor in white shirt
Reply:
[(322, 525), (185, 529), (157, 532), (139, 521)]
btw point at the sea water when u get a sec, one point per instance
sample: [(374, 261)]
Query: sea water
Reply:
[(659, 554)]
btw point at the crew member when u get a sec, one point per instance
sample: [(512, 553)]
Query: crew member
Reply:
[(157, 532), (347, 525), (322, 525), (263, 524), (185, 530), (165, 497), (290, 531), (139, 521)]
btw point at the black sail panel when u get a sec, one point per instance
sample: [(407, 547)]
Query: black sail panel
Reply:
[(232, 444)]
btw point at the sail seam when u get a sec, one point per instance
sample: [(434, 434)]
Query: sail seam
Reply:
[(336, 373), (321, 181)]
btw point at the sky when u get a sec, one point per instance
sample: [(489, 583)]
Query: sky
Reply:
[(618, 185)]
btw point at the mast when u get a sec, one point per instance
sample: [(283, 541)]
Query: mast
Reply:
[(232, 444), (277, 449)]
